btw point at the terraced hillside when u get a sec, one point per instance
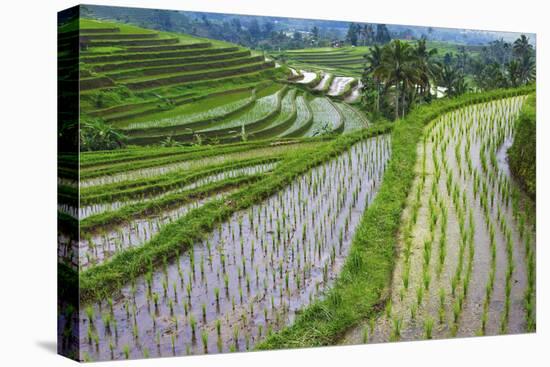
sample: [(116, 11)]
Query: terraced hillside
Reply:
[(334, 72), (153, 85)]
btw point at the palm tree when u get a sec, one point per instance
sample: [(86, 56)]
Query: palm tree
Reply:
[(527, 69), (428, 68), (447, 78), (398, 69), (513, 69), (522, 47), (452, 79), (373, 60)]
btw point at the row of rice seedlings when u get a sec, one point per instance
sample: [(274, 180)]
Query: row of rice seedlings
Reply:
[(460, 281), (437, 223), (354, 120), (94, 209), (188, 118), (499, 183), (287, 107), (303, 115), (506, 191), (324, 115), (97, 248), (263, 107), (163, 166), (252, 274)]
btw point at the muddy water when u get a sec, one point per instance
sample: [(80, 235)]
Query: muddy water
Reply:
[(265, 264), (409, 315), (93, 209)]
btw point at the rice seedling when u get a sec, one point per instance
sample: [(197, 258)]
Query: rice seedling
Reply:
[(441, 305), (419, 295), (396, 330), (413, 308), (204, 338), (428, 327), (388, 309)]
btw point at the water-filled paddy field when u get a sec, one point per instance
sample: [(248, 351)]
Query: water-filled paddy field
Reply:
[(250, 276), (467, 244)]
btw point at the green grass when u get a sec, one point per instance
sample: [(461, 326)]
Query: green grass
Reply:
[(182, 67), (284, 120), (341, 61)]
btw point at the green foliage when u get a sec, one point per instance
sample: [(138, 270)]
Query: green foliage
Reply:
[(523, 153), (97, 135)]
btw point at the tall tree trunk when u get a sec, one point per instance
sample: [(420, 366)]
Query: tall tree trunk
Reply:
[(396, 101), (377, 97), (403, 103)]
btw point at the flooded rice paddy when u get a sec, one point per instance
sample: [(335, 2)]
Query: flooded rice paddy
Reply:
[(250, 276), (465, 263), (188, 164), (94, 209)]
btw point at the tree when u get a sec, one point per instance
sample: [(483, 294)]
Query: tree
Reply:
[(513, 69), (462, 58), (254, 29), (527, 69), (352, 34), (522, 47), (448, 59), (398, 69), (315, 33), (163, 20), (369, 34), (268, 28), (452, 79), (382, 34), (427, 66), (493, 77), (373, 60), (236, 24)]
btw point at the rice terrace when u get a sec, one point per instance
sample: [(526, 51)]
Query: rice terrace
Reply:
[(232, 183)]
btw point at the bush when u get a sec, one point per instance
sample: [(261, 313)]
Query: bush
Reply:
[(522, 155), (97, 135)]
